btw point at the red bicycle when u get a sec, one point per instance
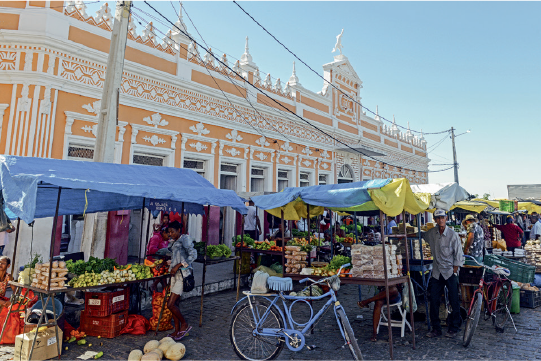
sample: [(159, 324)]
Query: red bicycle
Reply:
[(496, 295)]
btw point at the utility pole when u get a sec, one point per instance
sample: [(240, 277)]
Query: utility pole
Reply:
[(95, 226), (455, 164), (107, 118)]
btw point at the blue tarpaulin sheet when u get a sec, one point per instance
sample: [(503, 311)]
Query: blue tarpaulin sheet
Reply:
[(30, 187), (343, 195)]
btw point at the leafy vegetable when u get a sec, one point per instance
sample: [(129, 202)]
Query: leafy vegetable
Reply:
[(94, 265), (220, 250), (339, 260), (37, 259), (247, 239)]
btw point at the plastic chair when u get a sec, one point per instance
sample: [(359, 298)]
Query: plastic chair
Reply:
[(394, 323)]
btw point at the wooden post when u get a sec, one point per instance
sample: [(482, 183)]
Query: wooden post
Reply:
[(53, 238), (384, 238), (240, 252), (141, 239), (409, 279), (355, 224), (15, 247), (204, 269), (309, 236), (283, 244)]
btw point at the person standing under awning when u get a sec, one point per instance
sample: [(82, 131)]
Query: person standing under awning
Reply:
[(511, 233)]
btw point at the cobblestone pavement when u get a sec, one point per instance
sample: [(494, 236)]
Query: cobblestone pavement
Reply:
[(212, 340)]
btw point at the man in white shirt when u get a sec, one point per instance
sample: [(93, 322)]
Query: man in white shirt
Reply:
[(252, 226), (392, 223), (536, 229)]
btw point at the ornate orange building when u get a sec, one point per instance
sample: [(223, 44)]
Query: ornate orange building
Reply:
[(179, 108)]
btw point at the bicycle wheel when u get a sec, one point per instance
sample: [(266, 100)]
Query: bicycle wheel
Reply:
[(473, 319), (349, 336), (503, 305), (248, 346)]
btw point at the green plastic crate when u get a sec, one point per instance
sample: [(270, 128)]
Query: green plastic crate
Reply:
[(520, 272)]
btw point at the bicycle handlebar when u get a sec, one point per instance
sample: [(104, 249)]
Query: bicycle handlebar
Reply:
[(493, 269)]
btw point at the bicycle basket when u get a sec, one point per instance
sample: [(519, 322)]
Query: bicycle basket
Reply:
[(335, 283)]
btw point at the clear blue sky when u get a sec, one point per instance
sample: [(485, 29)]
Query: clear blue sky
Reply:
[(470, 65)]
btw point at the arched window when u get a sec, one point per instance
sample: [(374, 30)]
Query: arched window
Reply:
[(346, 174)]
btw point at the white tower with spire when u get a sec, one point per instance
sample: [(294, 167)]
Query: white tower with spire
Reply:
[(179, 31), (293, 79), (246, 61)]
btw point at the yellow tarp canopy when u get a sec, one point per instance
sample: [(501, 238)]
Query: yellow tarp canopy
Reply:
[(392, 199), (476, 207)]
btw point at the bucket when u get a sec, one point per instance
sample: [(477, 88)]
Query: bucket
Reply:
[(515, 302)]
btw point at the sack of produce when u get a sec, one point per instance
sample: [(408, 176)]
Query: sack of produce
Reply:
[(157, 302)]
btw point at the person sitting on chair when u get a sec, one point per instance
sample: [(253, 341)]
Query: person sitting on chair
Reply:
[(379, 300)]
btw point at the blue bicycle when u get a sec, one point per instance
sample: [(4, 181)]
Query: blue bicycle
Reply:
[(260, 328)]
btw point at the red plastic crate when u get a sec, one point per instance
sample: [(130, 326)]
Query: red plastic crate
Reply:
[(105, 303), (108, 327)]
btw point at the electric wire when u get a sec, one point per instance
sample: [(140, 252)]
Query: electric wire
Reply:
[(319, 75), (275, 101)]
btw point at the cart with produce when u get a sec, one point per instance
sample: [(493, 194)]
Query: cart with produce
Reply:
[(69, 187)]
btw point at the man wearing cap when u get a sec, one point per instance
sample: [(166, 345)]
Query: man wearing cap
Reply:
[(448, 257), (511, 233), (475, 242)]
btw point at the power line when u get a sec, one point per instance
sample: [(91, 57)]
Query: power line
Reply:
[(319, 75), (246, 97), (223, 93), (272, 99)]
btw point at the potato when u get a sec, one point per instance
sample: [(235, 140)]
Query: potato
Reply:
[(168, 339), (164, 346), (151, 356), (157, 351)]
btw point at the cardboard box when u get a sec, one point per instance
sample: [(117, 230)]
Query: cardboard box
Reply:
[(45, 348)]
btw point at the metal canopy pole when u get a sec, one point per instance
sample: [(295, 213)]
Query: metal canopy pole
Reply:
[(283, 244), (141, 239), (240, 252), (386, 286), (356, 231), (204, 268), (409, 279), (15, 246)]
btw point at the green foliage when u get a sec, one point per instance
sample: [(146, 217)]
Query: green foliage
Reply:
[(221, 250), (247, 239), (37, 259), (297, 233), (94, 265), (339, 260)]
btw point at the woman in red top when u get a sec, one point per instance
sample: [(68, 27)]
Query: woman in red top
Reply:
[(158, 241), (511, 233)]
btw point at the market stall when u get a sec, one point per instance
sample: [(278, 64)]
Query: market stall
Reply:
[(39, 187), (386, 196)]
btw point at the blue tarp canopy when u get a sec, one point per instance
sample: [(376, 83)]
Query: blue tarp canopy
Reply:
[(30, 187), (343, 195)]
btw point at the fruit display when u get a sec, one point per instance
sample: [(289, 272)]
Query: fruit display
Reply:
[(247, 240), (220, 250), (350, 238), (300, 242), (159, 268), (117, 275), (264, 245)]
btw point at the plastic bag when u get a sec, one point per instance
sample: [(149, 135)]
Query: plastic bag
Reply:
[(406, 297), (136, 325), (259, 284), (13, 326), (277, 267), (5, 222)]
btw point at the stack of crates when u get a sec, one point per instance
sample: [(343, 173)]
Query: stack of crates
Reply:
[(106, 312)]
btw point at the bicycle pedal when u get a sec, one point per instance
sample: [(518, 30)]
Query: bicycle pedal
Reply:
[(311, 348)]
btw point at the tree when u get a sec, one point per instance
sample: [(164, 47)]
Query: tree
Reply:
[(486, 196)]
